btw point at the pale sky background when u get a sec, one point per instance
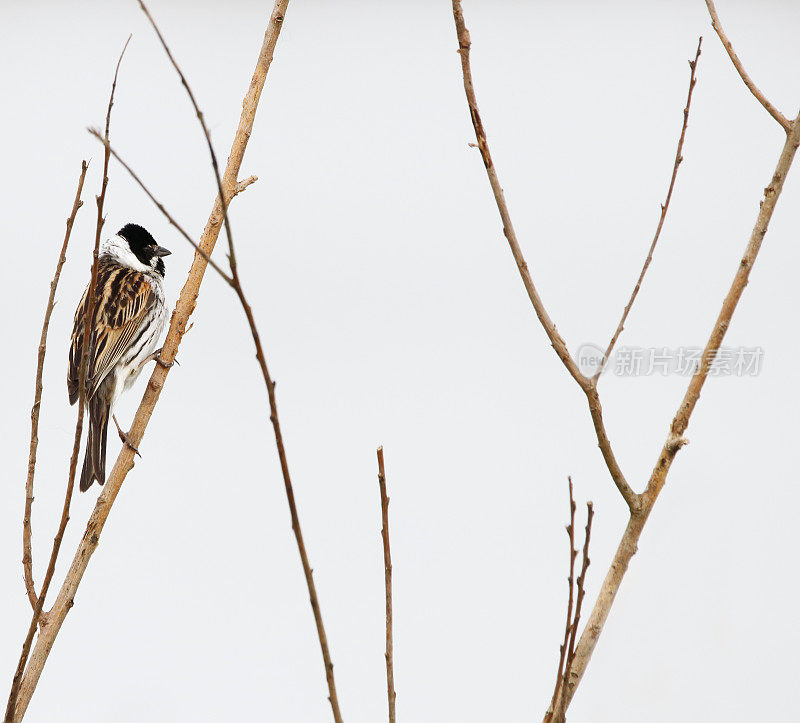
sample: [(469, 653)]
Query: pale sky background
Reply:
[(392, 312)]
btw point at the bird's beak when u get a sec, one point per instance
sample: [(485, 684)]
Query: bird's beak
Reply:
[(161, 251)]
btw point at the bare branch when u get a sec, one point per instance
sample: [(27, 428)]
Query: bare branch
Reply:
[(197, 110), (307, 571), (586, 384), (236, 283), (662, 217), (556, 713), (556, 340), (387, 573), (640, 505), (27, 556), (786, 124), (180, 319), (160, 206), (604, 443), (581, 584), (676, 440), (90, 305), (562, 649)]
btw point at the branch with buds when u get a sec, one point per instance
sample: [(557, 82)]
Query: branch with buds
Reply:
[(566, 650), (639, 504)]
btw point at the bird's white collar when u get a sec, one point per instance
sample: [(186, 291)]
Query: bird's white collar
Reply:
[(117, 248)]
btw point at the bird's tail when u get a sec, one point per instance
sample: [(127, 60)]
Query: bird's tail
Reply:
[(94, 462)]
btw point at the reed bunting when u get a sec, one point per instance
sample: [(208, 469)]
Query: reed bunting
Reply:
[(129, 315)]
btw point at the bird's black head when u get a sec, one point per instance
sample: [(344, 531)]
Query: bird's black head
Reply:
[(144, 247)]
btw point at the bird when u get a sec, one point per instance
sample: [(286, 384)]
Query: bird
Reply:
[(129, 316)]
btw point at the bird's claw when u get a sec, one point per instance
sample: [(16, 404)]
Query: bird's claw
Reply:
[(125, 438), (162, 363), (156, 357)]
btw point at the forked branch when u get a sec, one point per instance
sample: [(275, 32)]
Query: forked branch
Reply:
[(588, 385), (675, 440), (640, 505)]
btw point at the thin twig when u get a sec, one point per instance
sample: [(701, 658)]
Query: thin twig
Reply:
[(199, 113), (581, 585), (90, 306), (562, 649), (27, 556), (588, 386), (786, 124), (178, 325), (556, 340), (287, 481), (237, 286), (160, 206), (662, 217), (387, 574), (556, 713)]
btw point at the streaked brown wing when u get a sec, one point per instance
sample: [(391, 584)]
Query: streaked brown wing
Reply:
[(76, 347), (124, 297)]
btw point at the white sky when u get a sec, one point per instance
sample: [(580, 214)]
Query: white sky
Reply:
[(392, 313)]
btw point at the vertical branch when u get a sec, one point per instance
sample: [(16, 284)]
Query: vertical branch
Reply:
[(562, 650), (387, 567), (556, 713), (585, 562), (178, 324), (270, 384), (27, 556), (90, 305), (561, 715)]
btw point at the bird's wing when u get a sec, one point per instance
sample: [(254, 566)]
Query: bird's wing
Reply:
[(124, 298)]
